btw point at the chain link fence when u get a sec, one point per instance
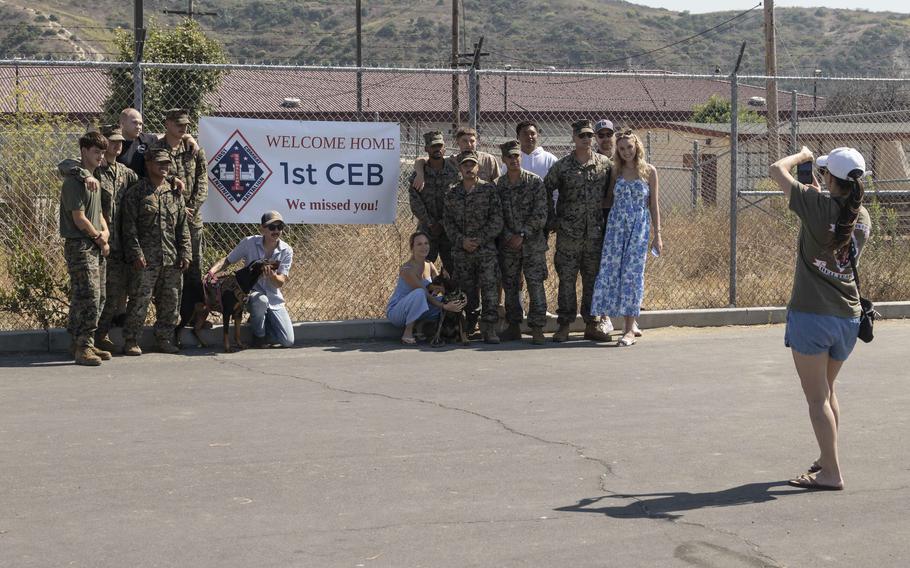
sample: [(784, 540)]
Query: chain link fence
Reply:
[(719, 250)]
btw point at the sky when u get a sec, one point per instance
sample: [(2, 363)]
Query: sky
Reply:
[(901, 6)]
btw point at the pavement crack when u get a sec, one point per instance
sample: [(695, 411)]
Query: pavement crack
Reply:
[(578, 449)]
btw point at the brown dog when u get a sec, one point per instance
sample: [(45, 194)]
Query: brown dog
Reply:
[(225, 294)]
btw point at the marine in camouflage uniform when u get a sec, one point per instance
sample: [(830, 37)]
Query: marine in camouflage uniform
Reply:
[(428, 203), (473, 220), (188, 164), (578, 221), (113, 178), (156, 241), (83, 248), (524, 212)]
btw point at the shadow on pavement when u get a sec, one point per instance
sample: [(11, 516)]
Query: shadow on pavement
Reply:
[(666, 505)]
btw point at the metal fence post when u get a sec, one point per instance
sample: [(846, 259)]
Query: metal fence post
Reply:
[(695, 166), (648, 147), (473, 80), (794, 123), (734, 190)]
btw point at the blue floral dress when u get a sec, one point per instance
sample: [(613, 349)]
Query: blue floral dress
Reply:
[(620, 283)]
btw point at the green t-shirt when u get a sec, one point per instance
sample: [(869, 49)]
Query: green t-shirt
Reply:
[(74, 197), (823, 284)]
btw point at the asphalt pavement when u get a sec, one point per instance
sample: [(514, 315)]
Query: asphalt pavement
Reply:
[(672, 452)]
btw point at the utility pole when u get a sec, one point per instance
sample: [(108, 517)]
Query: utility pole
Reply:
[(474, 80), (189, 12), (359, 60), (771, 82), (456, 110), (139, 37)]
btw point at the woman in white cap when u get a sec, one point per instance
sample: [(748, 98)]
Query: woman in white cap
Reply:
[(824, 310)]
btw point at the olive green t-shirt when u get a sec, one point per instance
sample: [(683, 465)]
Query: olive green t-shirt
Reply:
[(75, 197), (823, 283)]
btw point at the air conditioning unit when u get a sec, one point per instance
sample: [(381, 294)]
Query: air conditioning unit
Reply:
[(290, 102), (757, 101)]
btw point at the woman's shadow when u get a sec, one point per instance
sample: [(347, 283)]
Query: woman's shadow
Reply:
[(668, 505)]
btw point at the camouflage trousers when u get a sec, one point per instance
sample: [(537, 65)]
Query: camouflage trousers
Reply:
[(440, 247), (118, 276), (478, 277), (83, 264), (534, 267), (161, 284), (574, 255), (196, 243)]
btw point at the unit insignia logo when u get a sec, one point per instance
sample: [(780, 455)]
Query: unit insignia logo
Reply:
[(237, 171)]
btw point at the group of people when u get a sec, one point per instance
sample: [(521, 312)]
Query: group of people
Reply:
[(132, 229), (490, 225)]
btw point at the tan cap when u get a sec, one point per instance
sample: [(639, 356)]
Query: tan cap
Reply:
[(271, 217)]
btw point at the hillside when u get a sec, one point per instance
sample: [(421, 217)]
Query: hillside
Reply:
[(603, 34)]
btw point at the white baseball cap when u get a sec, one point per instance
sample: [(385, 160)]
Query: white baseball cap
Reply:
[(841, 161)]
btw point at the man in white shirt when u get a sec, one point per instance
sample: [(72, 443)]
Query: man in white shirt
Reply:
[(533, 158)]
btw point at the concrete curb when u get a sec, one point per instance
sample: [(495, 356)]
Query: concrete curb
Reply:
[(54, 340)]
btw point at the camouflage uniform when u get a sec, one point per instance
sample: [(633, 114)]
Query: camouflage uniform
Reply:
[(154, 229), (524, 212), (578, 221), (82, 257), (191, 170), (475, 214), (114, 179), (428, 205)]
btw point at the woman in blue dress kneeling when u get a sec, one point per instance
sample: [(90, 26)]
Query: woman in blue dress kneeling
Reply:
[(413, 300)]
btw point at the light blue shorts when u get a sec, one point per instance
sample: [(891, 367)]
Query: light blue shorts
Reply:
[(811, 334)]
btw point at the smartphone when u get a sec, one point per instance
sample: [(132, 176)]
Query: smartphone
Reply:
[(804, 173)]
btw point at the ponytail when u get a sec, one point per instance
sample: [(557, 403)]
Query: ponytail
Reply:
[(846, 220)]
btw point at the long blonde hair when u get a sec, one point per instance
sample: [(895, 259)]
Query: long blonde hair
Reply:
[(641, 166)]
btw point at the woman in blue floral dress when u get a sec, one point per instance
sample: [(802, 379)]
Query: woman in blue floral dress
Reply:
[(620, 283)]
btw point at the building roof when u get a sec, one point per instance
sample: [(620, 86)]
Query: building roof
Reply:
[(256, 91), (806, 127)]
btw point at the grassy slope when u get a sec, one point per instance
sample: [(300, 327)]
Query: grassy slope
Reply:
[(523, 33)]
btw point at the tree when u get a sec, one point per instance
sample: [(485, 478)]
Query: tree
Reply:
[(717, 110), (167, 88)]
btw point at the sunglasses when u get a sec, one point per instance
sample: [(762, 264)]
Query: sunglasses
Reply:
[(275, 227), (626, 133), (586, 135), (608, 135)]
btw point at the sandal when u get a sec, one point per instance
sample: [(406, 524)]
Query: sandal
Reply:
[(408, 341), (807, 481), (625, 342)]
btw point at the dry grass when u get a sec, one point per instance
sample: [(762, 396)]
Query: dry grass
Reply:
[(348, 271)]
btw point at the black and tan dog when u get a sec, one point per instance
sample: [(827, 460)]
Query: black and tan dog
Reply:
[(451, 325), (226, 295)]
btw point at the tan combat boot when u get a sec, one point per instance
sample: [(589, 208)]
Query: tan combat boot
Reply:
[(537, 336), (131, 348), (488, 331), (595, 333), (101, 353), (104, 342), (86, 356), (511, 333), (562, 334)]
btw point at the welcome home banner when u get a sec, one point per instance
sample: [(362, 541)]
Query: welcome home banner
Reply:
[(310, 172)]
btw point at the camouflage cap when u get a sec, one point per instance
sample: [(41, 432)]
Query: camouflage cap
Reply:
[(580, 126), (157, 155), (178, 115), (510, 148), (112, 132), (433, 138), (467, 156)]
